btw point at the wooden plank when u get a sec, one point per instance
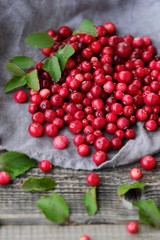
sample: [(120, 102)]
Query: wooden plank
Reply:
[(102, 232), (19, 208)]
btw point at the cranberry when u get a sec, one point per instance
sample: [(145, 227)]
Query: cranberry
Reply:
[(38, 117), (79, 115), (102, 143), (128, 111), (51, 32), (85, 237), (4, 178), (110, 28), (119, 133), (116, 143), (20, 96), (65, 31), (124, 77), (78, 140), (49, 115), (123, 50), (90, 138), (97, 104), (111, 117), (96, 46), (132, 227), (60, 142), (55, 87), (44, 93), (99, 123), (136, 173), (151, 125), (46, 51), (45, 165), (96, 91), (45, 104), (36, 129), (51, 130), (148, 162), (56, 100), (32, 108), (141, 115), (63, 92), (58, 122), (68, 118), (35, 99), (87, 53), (151, 99), (130, 133), (88, 129), (99, 157), (117, 108), (109, 87), (111, 128), (93, 179), (70, 108), (83, 150), (123, 123), (75, 126), (127, 99)]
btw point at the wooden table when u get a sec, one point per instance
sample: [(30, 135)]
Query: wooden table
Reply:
[(20, 219)]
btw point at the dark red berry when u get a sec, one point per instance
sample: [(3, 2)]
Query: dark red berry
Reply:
[(45, 165), (93, 179), (148, 162), (20, 96), (83, 150), (36, 129), (99, 157)]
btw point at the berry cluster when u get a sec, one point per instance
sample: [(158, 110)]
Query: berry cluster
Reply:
[(109, 84)]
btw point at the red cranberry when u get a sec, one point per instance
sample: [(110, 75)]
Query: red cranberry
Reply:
[(123, 123), (45, 104), (99, 157), (93, 179), (97, 104), (36, 129), (44, 93), (96, 46), (130, 133), (65, 31), (132, 227), (68, 118), (76, 97), (51, 130), (20, 96), (4, 178), (151, 125), (90, 138), (45, 165), (46, 51), (119, 133), (136, 173), (35, 99), (88, 130), (58, 122), (123, 50), (109, 87), (117, 108), (56, 100), (124, 77), (102, 143), (99, 123), (83, 150), (111, 117), (116, 143), (38, 117), (32, 108), (148, 162), (79, 115), (111, 128), (141, 115), (78, 140), (60, 142), (75, 126), (128, 111), (110, 28), (51, 32), (96, 91), (151, 99)]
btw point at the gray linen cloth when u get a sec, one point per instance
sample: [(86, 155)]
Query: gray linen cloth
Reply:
[(18, 18)]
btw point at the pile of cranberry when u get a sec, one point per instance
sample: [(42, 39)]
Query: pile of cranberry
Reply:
[(109, 84)]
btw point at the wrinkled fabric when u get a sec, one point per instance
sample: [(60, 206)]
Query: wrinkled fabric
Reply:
[(19, 18)]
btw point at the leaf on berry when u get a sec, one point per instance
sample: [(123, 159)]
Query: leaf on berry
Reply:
[(63, 54), (148, 212), (14, 82), (23, 62), (15, 163), (39, 40), (54, 208), (124, 188), (42, 184), (52, 66), (87, 27), (90, 201), (32, 80), (14, 69)]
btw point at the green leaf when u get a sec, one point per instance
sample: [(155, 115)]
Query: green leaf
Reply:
[(42, 184), (14, 82), (23, 61), (32, 80), (54, 208), (39, 40), (52, 66), (124, 188), (14, 69), (16, 163), (87, 27), (148, 212), (90, 201), (63, 54)]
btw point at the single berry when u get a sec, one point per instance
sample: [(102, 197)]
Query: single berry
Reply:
[(99, 157), (78, 140), (93, 179), (132, 227), (36, 129), (135, 173), (148, 162), (83, 150), (4, 178), (51, 130), (60, 142), (20, 96), (45, 165), (102, 143)]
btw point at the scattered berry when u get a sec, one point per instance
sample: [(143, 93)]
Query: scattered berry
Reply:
[(93, 179), (4, 178), (60, 142), (132, 227), (148, 162), (20, 96), (136, 173), (45, 165)]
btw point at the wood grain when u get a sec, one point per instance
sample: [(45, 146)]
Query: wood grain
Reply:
[(19, 208)]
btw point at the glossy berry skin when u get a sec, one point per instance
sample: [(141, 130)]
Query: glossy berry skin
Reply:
[(4, 178), (51, 130), (102, 143), (151, 125), (60, 142), (93, 179), (45, 165), (148, 162), (36, 129), (20, 96), (38, 117), (132, 227), (99, 157), (78, 140), (136, 173), (83, 150), (75, 126), (85, 237)]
